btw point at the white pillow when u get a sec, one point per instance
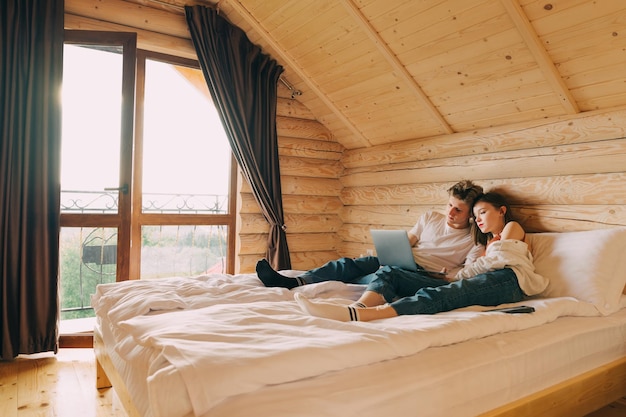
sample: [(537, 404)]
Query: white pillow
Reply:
[(589, 265)]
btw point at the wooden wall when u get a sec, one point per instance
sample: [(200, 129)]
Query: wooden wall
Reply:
[(561, 174), (310, 171)]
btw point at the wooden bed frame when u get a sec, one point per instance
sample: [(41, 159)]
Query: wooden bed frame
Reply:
[(575, 397), (107, 376)]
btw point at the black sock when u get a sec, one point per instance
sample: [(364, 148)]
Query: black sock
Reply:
[(271, 278)]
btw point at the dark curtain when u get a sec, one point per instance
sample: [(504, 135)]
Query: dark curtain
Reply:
[(243, 84), (31, 62)]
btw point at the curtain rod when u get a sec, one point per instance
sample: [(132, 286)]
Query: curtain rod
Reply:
[(291, 88)]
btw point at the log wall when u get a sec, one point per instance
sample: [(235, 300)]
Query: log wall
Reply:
[(310, 179), (561, 174)]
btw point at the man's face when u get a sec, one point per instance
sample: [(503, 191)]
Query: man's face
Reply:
[(458, 213)]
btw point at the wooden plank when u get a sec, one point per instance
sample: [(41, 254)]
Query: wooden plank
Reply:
[(325, 42), (305, 186), (399, 68), (450, 24), (570, 218), (302, 128), (309, 260), (296, 204), (9, 372), (566, 190), (388, 14), (319, 205), (309, 148), (309, 167), (593, 189), (400, 194), (297, 242), (355, 66), (287, 107), (534, 218), (150, 41), (534, 93), (571, 14), (461, 54), (477, 119), (300, 29), (110, 375), (355, 249), (386, 216), (603, 157), (311, 186), (131, 15), (496, 88), (577, 41), (357, 233), (299, 260), (296, 223), (589, 127), (544, 60)]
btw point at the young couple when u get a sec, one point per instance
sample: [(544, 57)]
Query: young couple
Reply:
[(486, 262)]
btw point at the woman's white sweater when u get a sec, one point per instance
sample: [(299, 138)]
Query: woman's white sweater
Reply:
[(508, 253)]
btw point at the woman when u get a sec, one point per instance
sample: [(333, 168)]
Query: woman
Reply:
[(505, 274)]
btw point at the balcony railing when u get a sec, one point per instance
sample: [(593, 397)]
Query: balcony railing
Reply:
[(88, 255), (107, 202)]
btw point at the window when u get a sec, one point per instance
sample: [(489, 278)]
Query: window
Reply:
[(147, 173)]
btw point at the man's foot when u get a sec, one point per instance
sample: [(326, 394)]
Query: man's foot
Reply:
[(271, 278)]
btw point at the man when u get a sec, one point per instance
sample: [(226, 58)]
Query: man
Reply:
[(441, 242)]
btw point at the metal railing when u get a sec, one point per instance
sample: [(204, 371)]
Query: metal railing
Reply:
[(88, 258), (181, 203)]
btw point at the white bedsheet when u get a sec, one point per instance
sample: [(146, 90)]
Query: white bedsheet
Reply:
[(259, 338)]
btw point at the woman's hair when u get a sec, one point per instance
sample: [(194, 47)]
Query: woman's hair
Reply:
[(465, 191), (497, 200)]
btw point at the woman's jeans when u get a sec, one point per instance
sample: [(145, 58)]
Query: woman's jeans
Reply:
[(418, 293), (348, 270)]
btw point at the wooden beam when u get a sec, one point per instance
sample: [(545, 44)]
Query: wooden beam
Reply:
[(150, 41), (553, 77), (293, 65), (395, 63)]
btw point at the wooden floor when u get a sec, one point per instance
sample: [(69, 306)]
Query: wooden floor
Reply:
[(46, 385)]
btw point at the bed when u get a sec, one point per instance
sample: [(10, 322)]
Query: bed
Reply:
[(224, 345)]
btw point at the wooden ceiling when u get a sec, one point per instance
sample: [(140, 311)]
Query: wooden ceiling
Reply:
[(381, 71)]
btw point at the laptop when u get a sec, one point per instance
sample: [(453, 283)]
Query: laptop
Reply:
[(393, 248)]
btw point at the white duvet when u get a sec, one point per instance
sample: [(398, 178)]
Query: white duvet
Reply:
[(228, 335)]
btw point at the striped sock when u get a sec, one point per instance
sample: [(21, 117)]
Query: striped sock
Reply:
[(327, 310)]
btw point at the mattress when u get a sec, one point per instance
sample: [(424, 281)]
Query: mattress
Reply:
[(460, 379)]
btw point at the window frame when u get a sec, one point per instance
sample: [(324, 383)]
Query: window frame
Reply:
[(139, 219), (130, 219)]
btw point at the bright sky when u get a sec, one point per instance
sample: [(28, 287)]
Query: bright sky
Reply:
[(183, 151)]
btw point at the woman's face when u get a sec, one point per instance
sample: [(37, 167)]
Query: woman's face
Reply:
[(489, 219), (457, 213)]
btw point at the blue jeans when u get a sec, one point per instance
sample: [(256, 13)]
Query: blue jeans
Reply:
[(417, 293), (348, 270)]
